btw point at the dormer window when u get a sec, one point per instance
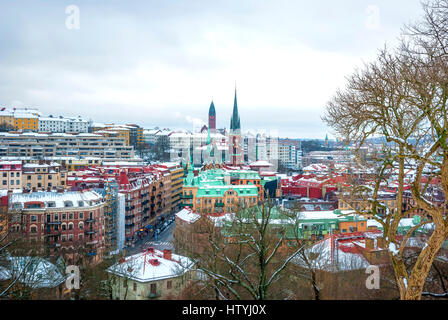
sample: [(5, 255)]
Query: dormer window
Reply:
[(68, 204), (80, 203), (51, 204)]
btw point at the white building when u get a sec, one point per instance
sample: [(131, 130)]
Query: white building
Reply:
[(183, 144), (62, 124), (290, 156)]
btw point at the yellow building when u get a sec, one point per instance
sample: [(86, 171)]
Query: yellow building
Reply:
[(111, 130), (26, 122)]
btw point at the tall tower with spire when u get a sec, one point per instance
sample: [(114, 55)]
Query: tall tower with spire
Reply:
[(326, 140), (235, 141), (212, 118)]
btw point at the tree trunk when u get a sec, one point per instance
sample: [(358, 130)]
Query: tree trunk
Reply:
[(424, 263)]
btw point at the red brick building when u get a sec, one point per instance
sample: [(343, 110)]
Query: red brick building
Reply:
[(64, 221)]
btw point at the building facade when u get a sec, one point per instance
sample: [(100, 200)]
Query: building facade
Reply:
[(63, 124), (11, 175), (63, 145), (64, 221)]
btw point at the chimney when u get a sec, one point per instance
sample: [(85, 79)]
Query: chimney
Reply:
[(370, 243), (151, 250), (167, 254), (154, 262)]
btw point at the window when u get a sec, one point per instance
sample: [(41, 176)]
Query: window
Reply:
[(33, 229), (169, 284), (81, 215), (135, 286), (12, 174), (33, 218), (70, 226), (153, 288)]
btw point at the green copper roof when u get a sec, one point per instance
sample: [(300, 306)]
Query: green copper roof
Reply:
[(211, 111), (235, 120)]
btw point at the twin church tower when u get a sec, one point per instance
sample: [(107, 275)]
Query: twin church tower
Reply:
[(236, 157)]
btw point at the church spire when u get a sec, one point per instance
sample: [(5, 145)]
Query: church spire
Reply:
[(235, 120)]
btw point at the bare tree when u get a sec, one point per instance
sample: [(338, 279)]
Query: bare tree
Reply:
[(402, 97), (248, 259)]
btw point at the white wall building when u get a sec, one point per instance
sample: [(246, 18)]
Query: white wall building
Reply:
[(62, 124)]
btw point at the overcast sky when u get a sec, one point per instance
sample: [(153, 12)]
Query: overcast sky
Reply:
[(160, 63)]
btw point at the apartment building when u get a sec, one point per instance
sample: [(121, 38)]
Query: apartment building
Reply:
[(64, 221), (63, 124), (177, 180), (43, 175), (40, 145), (290, 154), (220, 190), (146, 191), (10, 175)]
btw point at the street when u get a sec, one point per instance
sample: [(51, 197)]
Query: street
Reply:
[(164, 241)]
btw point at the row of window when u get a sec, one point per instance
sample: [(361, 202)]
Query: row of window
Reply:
[(5, 174)]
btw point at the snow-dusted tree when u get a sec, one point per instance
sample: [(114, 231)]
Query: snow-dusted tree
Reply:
[(402, 97), (248, 256)]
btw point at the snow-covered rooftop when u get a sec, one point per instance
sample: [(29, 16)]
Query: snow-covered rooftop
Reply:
[(138, 267)]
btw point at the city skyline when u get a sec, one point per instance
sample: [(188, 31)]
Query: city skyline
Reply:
[(161, 64)]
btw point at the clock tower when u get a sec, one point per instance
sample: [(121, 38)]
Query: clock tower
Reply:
[(212, 118)]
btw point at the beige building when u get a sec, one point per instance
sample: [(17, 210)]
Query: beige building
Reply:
[(153, 274), (43, 175), (10, 175)]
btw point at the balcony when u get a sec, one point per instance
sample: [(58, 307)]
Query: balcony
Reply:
[(219, 204), (187, 196), (91, 220), (88, 232), (53, 233), (91, 243), (53, 222)]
